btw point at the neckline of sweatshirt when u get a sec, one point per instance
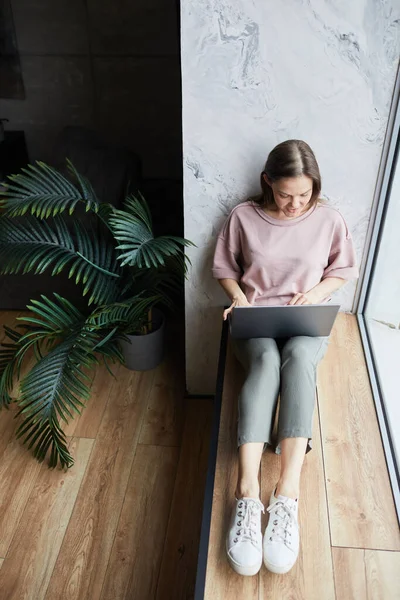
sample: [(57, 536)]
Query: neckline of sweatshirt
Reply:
[(282, 222)]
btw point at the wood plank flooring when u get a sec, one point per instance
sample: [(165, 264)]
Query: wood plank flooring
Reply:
[(124, 521), (349, 534)]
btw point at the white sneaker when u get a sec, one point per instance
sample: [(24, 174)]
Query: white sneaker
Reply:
[(281, 538), (244, 538)]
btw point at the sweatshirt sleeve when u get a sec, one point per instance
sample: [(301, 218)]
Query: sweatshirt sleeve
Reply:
[(226, 262), (342, 260)]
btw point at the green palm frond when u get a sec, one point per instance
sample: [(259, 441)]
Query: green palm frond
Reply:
[(101, 272), (132, 228), (56, 384), (52, 389), (8, 363), (127, 316), (44, 192), (167, 281), (102, 209), (139, 209), (105, 212), (50, 386), (51, 321), (175, 267), (115, 321), (34, 246), (111, 350), (162, 285), (88, 195)]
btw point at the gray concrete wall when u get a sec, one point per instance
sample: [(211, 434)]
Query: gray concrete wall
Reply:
[(113, 67)]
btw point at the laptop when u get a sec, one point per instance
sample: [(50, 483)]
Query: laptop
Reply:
[(284, 321)]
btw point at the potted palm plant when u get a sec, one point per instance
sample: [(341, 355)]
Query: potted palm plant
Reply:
[(126, 275)]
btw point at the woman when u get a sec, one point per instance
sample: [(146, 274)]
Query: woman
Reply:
[(285, 246)]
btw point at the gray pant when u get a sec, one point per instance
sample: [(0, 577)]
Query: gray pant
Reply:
[(278, 366)]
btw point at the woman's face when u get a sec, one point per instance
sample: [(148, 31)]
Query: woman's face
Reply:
[(291, 195)]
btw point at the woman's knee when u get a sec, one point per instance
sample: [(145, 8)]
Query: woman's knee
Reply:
[(295, 352), (305, 351), (268, 357), (254, 352)]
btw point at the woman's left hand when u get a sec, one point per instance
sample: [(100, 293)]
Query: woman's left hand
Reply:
[(304, 298)]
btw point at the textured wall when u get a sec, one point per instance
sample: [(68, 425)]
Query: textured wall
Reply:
[(257, 72)]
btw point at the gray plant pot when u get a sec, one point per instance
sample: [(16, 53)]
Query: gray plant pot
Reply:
[(146, 352)]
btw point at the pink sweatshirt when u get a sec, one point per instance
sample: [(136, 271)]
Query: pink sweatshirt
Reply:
[(273, 259)]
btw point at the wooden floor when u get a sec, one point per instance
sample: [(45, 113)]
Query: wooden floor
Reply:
[(124, 522), (349, 534)]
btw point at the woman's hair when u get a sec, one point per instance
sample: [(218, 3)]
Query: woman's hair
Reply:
[(291, 158)]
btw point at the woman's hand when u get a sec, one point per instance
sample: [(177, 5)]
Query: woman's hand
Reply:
[(239, 301), (319, 292), (307, 298)]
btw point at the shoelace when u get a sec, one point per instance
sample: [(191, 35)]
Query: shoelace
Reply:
[(247, 524), (285, 516)]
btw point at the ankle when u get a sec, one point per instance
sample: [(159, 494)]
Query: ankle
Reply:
[(289, 489), (251, 490)]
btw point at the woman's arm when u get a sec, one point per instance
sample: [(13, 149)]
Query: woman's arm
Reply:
[(235, 293), (320, 291), (325, 288), (232, 289)]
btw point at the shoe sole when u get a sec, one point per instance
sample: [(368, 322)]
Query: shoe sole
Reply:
[(276, 569), (240, 569)]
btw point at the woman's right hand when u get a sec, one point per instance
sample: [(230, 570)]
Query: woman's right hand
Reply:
[(240, 301)]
